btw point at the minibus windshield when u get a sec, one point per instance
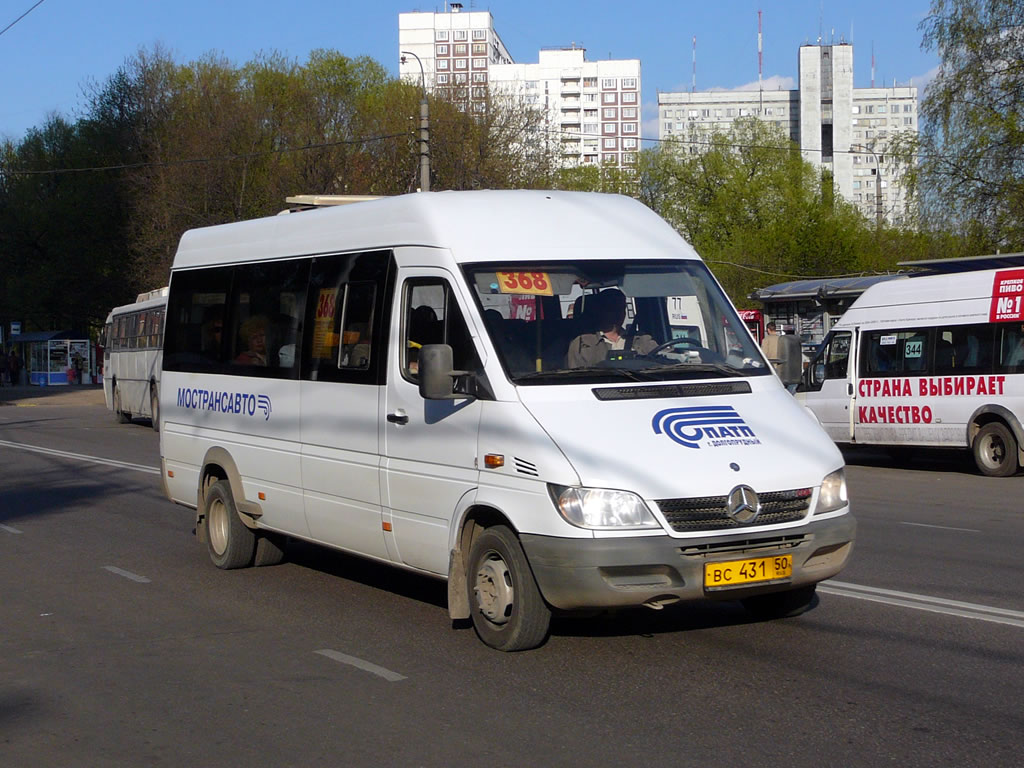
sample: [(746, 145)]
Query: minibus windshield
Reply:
[(607, 320)]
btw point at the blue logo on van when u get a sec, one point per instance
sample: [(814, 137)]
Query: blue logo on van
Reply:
[(718, 425), (243, 403)]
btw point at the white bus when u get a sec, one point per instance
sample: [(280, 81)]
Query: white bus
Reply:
[(393, 379), (928, 361), (132, 352)]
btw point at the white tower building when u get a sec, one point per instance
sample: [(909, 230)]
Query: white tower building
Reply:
[(838, 127)]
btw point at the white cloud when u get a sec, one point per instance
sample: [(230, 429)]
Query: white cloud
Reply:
[(772, 83), (923, 81)]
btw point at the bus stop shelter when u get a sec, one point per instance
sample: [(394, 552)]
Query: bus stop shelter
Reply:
[(55, 357)]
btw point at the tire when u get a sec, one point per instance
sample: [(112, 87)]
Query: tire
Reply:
[(781, 605), (508, 611), (230, 542), (123, 417), (995, 450), (154, 407), (269, 549)]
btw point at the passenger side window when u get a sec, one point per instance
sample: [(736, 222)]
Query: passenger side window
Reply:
[(194, 340), (265, 318), (1011, 348), (895, 353), (345, 318), (431, 315), (963, 349)]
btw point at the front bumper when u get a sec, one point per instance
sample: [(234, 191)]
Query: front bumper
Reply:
[(576, 574)]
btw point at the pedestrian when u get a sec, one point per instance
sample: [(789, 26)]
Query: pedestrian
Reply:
[(770, 347), (14, 368), (4, 369)]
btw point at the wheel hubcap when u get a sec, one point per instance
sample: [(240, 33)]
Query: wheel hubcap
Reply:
[(994, 451), (217, 526), (493, 589)]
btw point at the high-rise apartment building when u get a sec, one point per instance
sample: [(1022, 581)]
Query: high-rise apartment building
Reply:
[(456, 51), (840, 128), (592, 107)]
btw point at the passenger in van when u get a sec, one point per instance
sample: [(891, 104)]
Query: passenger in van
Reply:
[(424, 328), (609, 312), (254, 334), (212, 330)]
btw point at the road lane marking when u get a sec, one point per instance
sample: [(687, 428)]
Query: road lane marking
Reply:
[(941, 527), (126, 574), (925, 603), (81, 457), (366, 666), (9, 529)]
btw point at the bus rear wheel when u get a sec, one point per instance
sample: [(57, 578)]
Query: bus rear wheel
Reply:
[(995, 450), (231, 543), (123, 417), (154, 407)]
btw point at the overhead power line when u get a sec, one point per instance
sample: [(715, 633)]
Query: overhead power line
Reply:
[(26, 13), (198, 160)]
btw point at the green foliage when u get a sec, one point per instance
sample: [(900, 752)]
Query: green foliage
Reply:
[(971, 151), (755, 210)]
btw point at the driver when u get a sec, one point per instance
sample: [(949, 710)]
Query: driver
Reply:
[(608, 311)]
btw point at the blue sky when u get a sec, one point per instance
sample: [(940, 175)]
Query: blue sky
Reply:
[(51, 54)]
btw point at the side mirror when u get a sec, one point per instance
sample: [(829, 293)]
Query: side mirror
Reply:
[(791, 366), (819, 373), (437, 378)]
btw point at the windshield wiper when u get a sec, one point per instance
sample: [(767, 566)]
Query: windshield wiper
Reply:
[(574, 373)]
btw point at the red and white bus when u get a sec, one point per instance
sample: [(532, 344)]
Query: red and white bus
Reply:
[(928, 361)]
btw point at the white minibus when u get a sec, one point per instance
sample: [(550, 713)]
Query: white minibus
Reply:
[(487, 387), (928, 361), (132, 339)]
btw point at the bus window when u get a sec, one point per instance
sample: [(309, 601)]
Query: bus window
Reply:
[(344, 315), (963, 349), (267, 300), (895, 353), (1011, 348)]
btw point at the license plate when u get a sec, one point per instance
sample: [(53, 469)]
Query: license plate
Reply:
[(737, 573)]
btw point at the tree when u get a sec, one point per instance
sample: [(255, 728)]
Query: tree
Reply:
[(971, 149), (754, 209)]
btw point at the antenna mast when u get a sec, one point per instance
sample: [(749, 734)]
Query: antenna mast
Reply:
[(760, 63), (693, 88)]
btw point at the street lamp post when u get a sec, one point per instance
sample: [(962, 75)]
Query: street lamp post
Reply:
[(424, 126), (878, 182)]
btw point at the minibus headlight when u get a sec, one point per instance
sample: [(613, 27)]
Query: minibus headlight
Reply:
[(832, 495), (601, 508)]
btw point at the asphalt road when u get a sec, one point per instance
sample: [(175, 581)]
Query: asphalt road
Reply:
[(121, 645)]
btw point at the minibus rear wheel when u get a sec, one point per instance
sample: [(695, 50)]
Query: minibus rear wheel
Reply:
[(995, 450), (231, 543), (781, 605), (508, 611)]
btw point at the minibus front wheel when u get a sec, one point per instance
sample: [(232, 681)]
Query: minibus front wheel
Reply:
[(231, 543), (995, 450), (508, 611)]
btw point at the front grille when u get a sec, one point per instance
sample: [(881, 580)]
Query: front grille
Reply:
[(708, 513)]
